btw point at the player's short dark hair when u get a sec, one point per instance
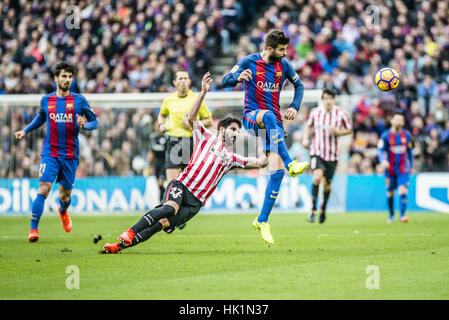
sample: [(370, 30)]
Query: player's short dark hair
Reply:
[(67, 67), (329, 92), (226, 122), (275, 38)]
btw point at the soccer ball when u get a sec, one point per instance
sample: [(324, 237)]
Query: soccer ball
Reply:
[(387, 79)]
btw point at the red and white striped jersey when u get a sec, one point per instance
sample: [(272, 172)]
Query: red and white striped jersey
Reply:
[(325, 144), (210, 161)]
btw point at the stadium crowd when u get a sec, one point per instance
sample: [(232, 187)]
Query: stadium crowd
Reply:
[(135, 46)]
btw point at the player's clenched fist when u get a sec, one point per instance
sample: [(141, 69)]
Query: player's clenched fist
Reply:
[(245, 75), (20, 134), (80, 120)]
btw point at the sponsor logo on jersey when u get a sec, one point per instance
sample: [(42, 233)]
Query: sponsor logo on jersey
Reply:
[(268, 86), (61, 117), (398, 149)]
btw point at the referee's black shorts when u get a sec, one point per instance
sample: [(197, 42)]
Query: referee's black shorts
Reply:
[(328, 167), (178, 152), (188, 204)]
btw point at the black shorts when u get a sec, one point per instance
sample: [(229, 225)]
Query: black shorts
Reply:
[(188, 204), (178, 152), (328, 167)]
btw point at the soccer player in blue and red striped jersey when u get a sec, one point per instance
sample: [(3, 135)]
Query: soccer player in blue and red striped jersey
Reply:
[(263, 75), (65, 113), (395, 154)]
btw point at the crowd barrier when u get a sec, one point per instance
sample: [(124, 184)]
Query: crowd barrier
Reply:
[(235, 194)]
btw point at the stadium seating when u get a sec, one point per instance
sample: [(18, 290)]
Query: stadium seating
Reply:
[(135, 45)]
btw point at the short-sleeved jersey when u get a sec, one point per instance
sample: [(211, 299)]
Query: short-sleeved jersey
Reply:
[(210, 161), (397, 145), (177, 108), (325, 144), (262, 91), (61, 138)]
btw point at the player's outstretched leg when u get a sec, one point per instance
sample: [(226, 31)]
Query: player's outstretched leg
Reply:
[(138, 237), (277, 144), (276, 137), (149, 219)]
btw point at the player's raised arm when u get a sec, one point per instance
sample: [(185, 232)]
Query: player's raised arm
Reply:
[(293, 77), (240, 72), (205, 87)]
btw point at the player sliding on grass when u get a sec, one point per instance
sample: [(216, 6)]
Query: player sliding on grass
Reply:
[(395, 154), (184, 196), (263, 75), (64, 112)]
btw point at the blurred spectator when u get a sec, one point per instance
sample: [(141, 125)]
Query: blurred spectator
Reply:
[(427, 95), (119, 46)]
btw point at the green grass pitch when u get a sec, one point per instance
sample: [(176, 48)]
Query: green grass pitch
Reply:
[(221, 257)]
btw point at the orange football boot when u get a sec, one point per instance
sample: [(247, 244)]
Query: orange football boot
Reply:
[(66, 221), (404, 219), (33, 236), (127, 237), (111, 248)]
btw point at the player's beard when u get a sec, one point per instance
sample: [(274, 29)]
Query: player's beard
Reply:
[(229, 140), (274, 58), (64, 86)]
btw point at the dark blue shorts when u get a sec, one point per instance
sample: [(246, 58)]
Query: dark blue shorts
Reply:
[(63, 170), (393, 182), (250, 124)]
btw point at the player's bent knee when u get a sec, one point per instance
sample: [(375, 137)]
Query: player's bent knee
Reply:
[(173, 205), (402, 190), (269, 118), (260, 116), (44, 188), (165, 223), (64, 195), (317, 176)]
